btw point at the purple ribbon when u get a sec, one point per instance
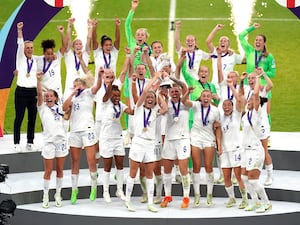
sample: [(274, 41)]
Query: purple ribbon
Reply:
[(176, 110), (118, 113), (203, 85), (249, 117), (215, 56), (146, 119), (204, 118), (29, 65), (191, 60), (141, 88), (79, 91), (77, 62), (107, 64), (230, 97), (45, 68), (56, 111)]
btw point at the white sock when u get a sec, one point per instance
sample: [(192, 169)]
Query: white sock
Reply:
[(269, 169), (94, 176), (159, 185), (186, 185), (46, 186), (129, 188), (260, 190), (230, 191), (250, 189), (59, 182), (196, 183), (150, 190), (168, 183), (210, 182), (106, 176), (143, 184), (74, 178), (120, 180)]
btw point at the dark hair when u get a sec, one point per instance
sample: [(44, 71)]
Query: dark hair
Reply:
[(115, 88), (105, 38), (155, 42), (262, 100), (46, 44)]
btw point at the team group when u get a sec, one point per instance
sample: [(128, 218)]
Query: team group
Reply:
[(175, 115)]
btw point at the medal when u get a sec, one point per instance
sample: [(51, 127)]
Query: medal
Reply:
[(117, 112), (145, 129), (191, 60), (78, 72), (106, 62), (176, 110), (77, 64), (249, 117), (29, 66), (45, 68), (141, 86)]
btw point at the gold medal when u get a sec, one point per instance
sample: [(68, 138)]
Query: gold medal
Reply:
[(175, 119), (78, 72), (27, 74), (145, 129)]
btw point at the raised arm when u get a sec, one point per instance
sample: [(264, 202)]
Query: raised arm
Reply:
[(133, 88), (146, 58), (241, 91), (177, 35), (94, 34), (89, 37), (179, 64), (235, 94), (243, 34), (20, 26), (69, 34), (97, 86), (39, 90), (256, 93), (211, 36), (185, 97), (128, 30), (126, 65), (108, 93), (117, 33), (261, 73), (64, 39), (180, 83), (219, 66), (82, 63)]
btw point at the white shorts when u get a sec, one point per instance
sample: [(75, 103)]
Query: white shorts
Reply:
[(157, 151), (176, 149), (111, 146), (255, 159), (230, 159), (83, 139), (243, 158), (202, 144), (55, 150), (264, 132), (142, 150)]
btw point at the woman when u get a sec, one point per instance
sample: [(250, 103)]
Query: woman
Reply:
[(258, 56), (231, 146), (205, 137), (55, 140), (229, 57), (143, 142), (176, 144), (50, 64), (111, 140), (193, 54), (73, 66), (254, 152), (82, 131), (106, 55)]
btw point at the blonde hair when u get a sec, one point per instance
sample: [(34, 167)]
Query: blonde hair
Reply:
[(145, 31)]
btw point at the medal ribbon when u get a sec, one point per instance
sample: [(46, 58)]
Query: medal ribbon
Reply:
[(45, 68), (146, 120), (118, 113), (107, 64), (176, 110), (141, 87), (56, 111), (79, 91), (204, 118), (249, 116), (215, 56), (77, 62), (203, 85), (257, 59), (29, 65), (230, 97), (191, 60)]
